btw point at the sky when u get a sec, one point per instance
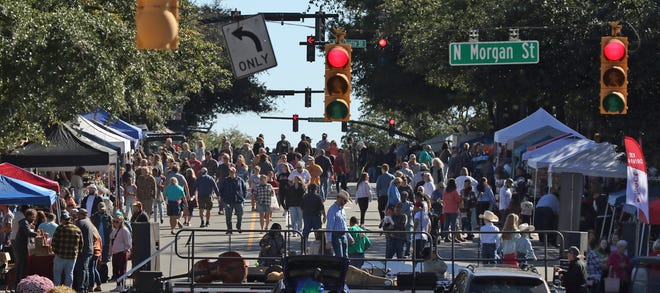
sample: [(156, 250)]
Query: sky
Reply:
[(292, 72)]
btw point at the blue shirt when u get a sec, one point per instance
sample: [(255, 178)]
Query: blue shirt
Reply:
[(383, 183), (205, 186), (393, 195), (48, 227), (487, 195), (335, 220), (233, 190)]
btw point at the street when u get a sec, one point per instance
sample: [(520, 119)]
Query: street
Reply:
[(212, 241)]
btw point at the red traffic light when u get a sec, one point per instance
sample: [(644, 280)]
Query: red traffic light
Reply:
[(382, 42), (338, 57), (614, 50), (295, 117), (391, 122), (311, 40)]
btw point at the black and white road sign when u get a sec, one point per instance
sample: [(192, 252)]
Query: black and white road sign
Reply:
[(249, 46)]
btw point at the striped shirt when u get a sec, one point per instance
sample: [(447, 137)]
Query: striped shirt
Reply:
[(67, 241)]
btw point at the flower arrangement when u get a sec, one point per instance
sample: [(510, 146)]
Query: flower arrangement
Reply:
[(34, 284)]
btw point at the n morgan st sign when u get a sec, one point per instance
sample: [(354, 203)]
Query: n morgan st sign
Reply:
[(493, 53)]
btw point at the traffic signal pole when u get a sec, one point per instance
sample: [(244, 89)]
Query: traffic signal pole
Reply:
[(397, 132)]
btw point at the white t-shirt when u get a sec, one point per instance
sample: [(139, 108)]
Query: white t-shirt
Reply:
[(505, 198)]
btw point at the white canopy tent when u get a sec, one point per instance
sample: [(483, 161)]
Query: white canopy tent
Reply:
[(551, 156), (539, 122), (565, 143), (601, 160), (87, 126)]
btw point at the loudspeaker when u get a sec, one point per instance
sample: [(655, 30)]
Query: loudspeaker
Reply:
[(146, 241), (576, 238), (147, 281), (424, 280)]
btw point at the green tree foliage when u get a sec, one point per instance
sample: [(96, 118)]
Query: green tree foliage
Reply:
[(213, 139), (565, 82), (59, 59)]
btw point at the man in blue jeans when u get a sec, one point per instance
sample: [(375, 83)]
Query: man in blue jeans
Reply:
[(67, 242), (336, 225), (313, 211), (81, 270), (232, 192)]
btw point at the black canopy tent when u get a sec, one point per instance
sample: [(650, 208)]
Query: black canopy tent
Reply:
[(64, 150)]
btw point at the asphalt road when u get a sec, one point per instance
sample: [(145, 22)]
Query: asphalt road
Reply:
[(210, 242)]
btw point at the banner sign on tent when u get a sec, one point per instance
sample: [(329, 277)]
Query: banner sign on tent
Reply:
[(637, 191)]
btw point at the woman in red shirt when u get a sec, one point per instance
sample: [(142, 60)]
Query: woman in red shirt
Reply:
[(620, 264), (451, 200)]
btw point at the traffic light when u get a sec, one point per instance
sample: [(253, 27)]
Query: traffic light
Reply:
[(311, 46), (391, 126), (337, 82), (308, 97), (157, 23), (614, 75), (382, 42), (295, 122)]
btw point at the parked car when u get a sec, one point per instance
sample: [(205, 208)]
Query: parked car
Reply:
[(152, 141), (498, 278)]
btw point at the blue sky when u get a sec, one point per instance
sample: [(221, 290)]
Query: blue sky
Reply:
[(293, 72)]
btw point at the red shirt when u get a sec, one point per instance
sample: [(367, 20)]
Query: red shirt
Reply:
[(195, 165), (450, 201)]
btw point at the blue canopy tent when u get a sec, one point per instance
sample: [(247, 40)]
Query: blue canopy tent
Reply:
[(116, 123), (14, 191)]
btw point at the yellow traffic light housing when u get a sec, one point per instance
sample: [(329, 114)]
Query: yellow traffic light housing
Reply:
[(157, 23), (338, 81), (614, 73)]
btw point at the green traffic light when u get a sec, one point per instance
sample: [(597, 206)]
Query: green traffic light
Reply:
[(613, 103), (337, 109)]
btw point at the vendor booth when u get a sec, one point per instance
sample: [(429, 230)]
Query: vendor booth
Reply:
[(18, 192)]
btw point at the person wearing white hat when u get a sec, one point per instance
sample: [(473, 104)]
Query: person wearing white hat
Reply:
[(489, 241), (523, 245)]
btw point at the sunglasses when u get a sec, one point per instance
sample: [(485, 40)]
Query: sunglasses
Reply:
[(116, 221)]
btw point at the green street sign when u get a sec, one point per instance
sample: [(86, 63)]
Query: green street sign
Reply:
[(493, 53), (316, 119), (355, 43)]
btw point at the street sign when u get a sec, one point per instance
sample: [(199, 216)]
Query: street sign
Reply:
[(249, 46), (493, 53), (355, 43), (316, 119)]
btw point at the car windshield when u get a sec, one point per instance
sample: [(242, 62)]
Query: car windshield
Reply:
[(507, 285)]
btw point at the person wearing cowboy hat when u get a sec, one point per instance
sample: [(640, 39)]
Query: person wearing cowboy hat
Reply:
[(489, 241), (336, 221), (523, 245), (575, 277)]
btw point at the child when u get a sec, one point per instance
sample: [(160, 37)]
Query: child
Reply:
[(129, 198), (526, 209), (489, 241), (253, 182)]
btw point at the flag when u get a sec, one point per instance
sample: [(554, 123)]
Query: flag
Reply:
[(637, 191)]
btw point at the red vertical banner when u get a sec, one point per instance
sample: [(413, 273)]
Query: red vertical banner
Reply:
[(637, 190)]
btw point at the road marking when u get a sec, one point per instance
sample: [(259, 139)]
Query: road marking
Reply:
[(253, 223)]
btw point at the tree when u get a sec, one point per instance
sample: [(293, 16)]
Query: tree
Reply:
[(565, 82), (64, 58)]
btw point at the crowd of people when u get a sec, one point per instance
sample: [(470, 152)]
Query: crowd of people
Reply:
[(440, 197)]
